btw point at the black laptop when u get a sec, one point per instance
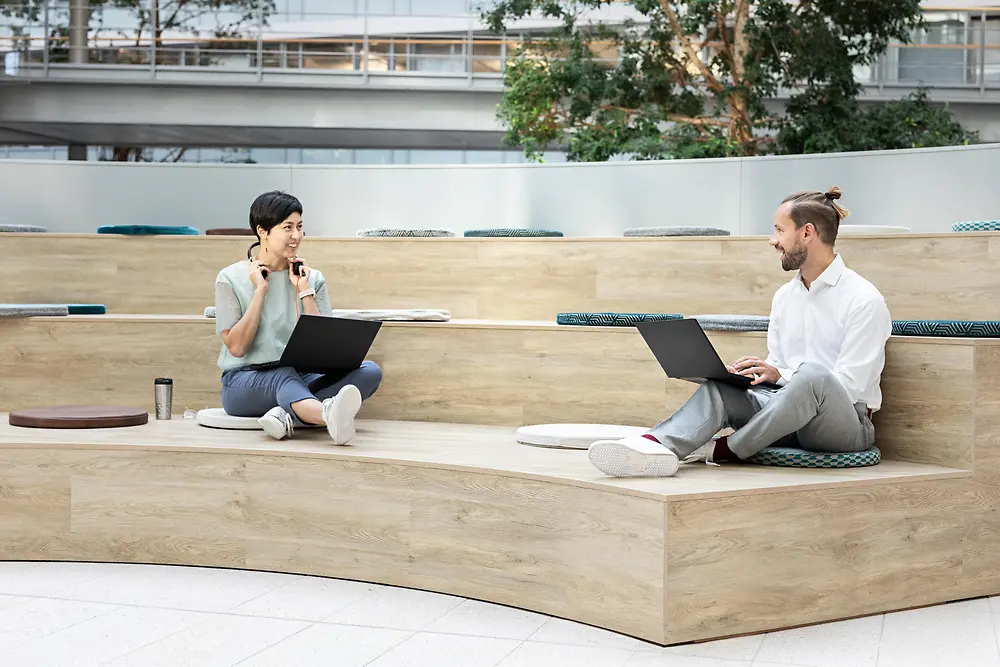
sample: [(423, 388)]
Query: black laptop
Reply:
[(685, 353), (333, 346)]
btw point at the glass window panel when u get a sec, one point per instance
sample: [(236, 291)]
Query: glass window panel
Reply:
[(486, 56), (373, 156)]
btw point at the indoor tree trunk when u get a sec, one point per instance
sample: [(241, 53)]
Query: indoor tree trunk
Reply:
[(741, 129)]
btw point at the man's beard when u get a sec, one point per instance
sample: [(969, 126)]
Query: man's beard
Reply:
[(792, 260)]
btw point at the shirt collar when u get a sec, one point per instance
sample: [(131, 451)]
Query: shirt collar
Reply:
[(831, 276)]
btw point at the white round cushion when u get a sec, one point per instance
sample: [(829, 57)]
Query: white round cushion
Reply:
[(574, 436), (846, 228), (217, 418)]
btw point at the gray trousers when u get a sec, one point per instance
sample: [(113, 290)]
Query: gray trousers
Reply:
[(812, 411)]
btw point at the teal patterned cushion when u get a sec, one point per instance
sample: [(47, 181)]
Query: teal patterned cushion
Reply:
[(489, 233), (87, 309), (612, 319), (149, 230), (947, 328), (405, 233), (790, 457), (981, 226), (676, 231)]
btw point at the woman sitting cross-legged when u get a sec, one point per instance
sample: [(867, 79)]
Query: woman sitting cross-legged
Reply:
[(257, 303)]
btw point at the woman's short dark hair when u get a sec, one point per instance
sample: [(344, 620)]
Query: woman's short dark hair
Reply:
[(270, 210)]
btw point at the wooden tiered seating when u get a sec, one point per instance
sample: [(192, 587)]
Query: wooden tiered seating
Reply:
[(436, 494), (513, 279), (466, 510)]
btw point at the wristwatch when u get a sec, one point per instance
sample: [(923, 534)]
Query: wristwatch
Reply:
[(309, 292)]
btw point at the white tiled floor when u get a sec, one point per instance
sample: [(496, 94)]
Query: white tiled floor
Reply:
[(93, 615)]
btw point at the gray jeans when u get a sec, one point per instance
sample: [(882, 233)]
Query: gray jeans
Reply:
[(812, 411)]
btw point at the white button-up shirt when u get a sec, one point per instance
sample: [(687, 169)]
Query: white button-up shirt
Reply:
[(841, 322)]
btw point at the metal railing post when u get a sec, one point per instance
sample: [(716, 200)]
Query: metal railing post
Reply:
[(45, 40), (152, 45), (364, 45), (982, 53), (260, 40), (469, 58)]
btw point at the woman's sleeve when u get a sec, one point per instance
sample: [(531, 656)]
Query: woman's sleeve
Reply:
[(323, 298), (227, 307)]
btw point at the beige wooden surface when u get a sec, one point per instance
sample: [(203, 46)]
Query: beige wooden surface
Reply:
[(498, 373), (446, 507), (509, 278), (462, 448)]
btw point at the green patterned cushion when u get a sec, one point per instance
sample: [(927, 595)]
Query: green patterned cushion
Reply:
[(405, 233), (612, 319), (488, 233), (87, 309), (790, 457), (947, 328), (981, 226), (149, 230), (676, 231)]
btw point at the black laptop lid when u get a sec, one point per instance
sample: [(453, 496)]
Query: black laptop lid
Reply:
[(330, 345), (682, 349)]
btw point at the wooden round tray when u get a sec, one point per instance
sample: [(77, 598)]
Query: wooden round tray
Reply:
[(79, 416)]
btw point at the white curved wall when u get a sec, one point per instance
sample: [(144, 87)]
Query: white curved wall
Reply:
[(926, 190)]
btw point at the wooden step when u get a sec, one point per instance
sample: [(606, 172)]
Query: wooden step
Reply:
[(923, 276), (465, 510), (941, 395)]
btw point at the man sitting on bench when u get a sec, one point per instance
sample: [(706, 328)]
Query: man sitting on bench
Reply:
[(826, 350)]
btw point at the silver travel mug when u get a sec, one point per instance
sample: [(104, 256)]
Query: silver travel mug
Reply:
[(163, 394)]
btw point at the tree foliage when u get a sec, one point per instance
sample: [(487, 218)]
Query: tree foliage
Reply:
[(689, 78)]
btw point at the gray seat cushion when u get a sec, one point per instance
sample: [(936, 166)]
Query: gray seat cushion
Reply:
[(676, 231), (733, 322), (405, 233), (34, 229), (32, 309), (510, 232)]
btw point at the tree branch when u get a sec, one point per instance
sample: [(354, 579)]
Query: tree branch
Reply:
[(675, 24)]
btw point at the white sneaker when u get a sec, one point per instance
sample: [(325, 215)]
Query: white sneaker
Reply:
[(338, 413), (634, 456), (277, 423)]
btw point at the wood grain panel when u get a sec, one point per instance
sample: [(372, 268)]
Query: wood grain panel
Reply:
[(745, 565), (511, 279), (480, 373), (464, 510), (928, 402)]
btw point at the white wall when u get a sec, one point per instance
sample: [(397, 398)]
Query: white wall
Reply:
[(926, 190)]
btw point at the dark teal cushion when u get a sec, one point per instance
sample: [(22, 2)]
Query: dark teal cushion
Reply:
[(490, 233), (148, 230), (612, 319), (981, 226), (790, 457), (947, 328), (87, 309)]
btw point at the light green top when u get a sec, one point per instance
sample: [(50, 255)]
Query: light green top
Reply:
[(233, 294)]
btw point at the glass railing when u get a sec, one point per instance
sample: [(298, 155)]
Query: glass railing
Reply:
[(438, 39)]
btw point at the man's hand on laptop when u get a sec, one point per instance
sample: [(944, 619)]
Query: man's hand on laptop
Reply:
[(757, 369)]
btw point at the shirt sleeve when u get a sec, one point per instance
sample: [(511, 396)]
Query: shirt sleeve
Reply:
[(228, 310), (774, 355), (323, 297), (862, 354)]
